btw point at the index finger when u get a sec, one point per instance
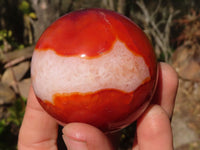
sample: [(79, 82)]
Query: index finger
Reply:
[(167, 88)]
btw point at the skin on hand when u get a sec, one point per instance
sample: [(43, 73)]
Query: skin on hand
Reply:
[(39, 130)]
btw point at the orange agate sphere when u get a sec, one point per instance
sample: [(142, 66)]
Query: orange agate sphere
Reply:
[(94, 66)]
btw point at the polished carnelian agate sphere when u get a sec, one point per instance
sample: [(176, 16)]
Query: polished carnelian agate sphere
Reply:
[(94, 66)]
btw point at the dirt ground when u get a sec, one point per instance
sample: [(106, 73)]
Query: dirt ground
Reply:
[(186, 118)]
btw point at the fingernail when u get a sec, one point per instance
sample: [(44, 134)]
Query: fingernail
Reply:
[(73, 144)]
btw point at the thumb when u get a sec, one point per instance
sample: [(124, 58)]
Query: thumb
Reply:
[(85, 137)]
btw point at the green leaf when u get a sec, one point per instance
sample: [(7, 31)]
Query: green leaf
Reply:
[(24, 7), (33, 15), (9, 33), (2, 125)]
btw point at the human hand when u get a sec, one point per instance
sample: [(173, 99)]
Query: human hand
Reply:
[(39, 130)]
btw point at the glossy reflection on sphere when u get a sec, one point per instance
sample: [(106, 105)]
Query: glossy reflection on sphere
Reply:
[(94, 66)]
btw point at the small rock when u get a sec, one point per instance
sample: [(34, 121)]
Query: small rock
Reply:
[(6, 94), (196, 91), (24, 86), (182, 133), (186, 62)]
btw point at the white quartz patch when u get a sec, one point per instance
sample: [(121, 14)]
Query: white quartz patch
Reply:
[(117, 69)]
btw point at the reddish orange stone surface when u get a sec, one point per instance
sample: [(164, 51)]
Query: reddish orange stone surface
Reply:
[(93, 32), (108, 109)]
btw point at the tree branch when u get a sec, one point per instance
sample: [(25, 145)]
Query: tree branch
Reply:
[(159, 30)]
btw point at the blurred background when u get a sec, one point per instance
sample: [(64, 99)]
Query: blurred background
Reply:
[(173, 27)]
